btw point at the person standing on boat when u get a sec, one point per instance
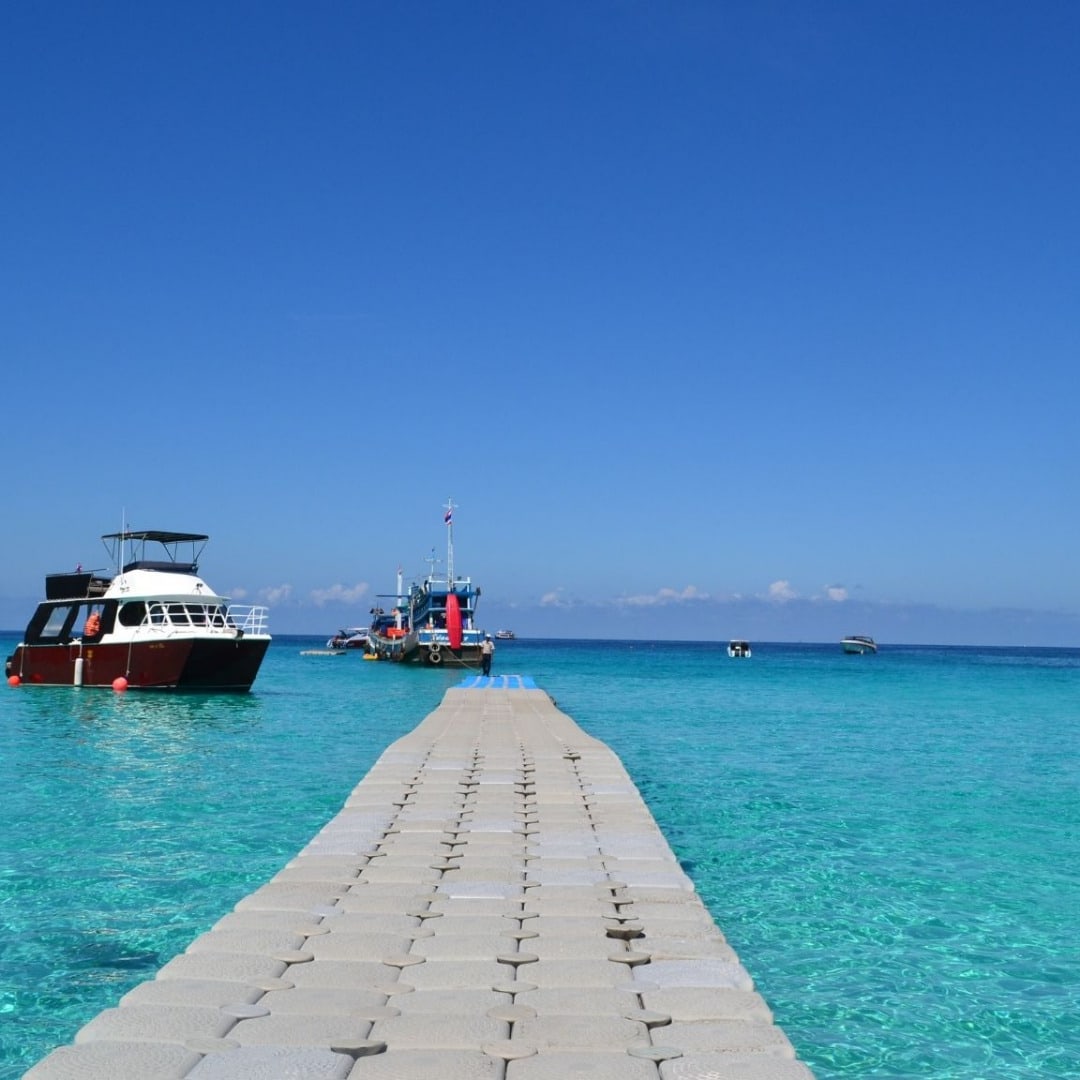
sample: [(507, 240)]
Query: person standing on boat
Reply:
[(487, 650)]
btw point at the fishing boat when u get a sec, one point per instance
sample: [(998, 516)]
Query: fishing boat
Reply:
[(857, 643), (431, 622), (505, 635), (738, 649), (147, 623)]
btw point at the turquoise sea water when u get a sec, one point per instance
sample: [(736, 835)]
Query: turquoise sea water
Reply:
[(891, 843)]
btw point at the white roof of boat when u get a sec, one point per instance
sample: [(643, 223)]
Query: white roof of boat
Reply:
[(159, 585)]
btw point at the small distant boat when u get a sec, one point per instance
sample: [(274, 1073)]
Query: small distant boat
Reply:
[(147, 624), (505, 635), (857, 643), (430, 623), (355, 637), (738, 648)]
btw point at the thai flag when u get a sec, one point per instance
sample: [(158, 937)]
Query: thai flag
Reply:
[(448, 517)]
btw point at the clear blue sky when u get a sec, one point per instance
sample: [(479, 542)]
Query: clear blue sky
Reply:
[(714, 319)]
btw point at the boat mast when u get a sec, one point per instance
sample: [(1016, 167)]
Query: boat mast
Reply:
[(448, 517), (120, 559)]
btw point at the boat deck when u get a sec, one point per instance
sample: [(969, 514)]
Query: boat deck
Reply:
[(493, 902)]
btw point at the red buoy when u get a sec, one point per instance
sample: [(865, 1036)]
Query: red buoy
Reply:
[(119, 684), (14, 680), (453, 621)]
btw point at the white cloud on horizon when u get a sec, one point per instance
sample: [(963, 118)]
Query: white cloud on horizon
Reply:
[(664, 596), (338, 593), (275, 594), (780, 592), (836, 593), (554, 599)]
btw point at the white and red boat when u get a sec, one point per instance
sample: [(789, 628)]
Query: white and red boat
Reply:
[(152, 623)]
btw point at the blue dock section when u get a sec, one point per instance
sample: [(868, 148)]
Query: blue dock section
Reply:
[(497, 682)]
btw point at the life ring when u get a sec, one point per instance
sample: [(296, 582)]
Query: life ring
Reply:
[(435, 654)]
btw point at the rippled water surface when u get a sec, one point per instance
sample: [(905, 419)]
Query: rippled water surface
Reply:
[(891, 842)]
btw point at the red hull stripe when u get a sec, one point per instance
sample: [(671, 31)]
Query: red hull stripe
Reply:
[(191, 664)]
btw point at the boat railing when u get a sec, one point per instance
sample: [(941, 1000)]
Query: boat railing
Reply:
[(441, 585), (170, 619), (251, 618)]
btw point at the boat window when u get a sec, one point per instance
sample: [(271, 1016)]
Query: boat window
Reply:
[(59, 618), (157, 614), (132, 614), (197, 614), (217, 616), (91, 627), (177, 615)]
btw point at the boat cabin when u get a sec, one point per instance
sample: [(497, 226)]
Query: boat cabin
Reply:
[(57, 623), (427, 603)]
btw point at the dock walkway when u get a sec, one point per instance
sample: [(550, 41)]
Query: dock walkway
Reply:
[(493, 902)]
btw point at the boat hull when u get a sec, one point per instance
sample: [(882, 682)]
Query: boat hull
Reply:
[(445, 656), (216, 664), (419, 653), (858, 647)]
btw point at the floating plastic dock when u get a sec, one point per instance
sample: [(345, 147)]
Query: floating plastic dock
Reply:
[(493, 902)]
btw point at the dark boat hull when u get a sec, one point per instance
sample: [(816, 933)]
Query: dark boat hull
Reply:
[(406, 651), (445, 657), (178, 664)]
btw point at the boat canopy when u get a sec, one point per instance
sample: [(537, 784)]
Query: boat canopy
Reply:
[(136, 541), (156, 535)]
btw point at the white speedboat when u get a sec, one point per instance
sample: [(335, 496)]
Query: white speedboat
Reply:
[(738, 648), (354, 637), (149, 623), (857, 643), (504, 635)]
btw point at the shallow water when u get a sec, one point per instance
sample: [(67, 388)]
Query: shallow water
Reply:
[(890, 842)]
